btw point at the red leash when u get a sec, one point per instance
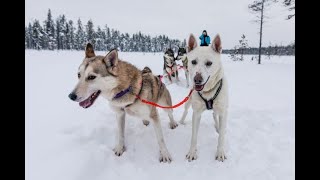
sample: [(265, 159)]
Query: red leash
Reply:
[(167, 107)]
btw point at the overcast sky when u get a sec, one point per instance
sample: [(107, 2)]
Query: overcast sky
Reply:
[(175, 18)]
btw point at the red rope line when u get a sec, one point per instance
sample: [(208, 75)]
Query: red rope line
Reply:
[(165, 107)]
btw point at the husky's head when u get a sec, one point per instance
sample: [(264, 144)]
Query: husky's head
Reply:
[(97, 75), (182, 53), (169, 57), (203, 62)]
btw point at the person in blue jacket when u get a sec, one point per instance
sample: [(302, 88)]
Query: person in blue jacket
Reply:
[(205, 39)]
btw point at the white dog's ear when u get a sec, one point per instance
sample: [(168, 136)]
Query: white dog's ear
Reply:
[(216, 44), (192, 43), (89, 51), (111, 58)]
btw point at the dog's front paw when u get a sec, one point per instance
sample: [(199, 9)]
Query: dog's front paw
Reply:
[(192, 155), (220, 155), (118, 150), (165, 157), (173, 125)]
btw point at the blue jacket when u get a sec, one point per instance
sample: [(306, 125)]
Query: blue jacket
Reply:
[(204, 39)]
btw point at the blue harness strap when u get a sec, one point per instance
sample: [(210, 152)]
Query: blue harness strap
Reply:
[(122, 93)]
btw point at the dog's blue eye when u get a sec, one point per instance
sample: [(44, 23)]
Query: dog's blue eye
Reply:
[(194, 62), (79, 75), (209, 63), (91, 77)]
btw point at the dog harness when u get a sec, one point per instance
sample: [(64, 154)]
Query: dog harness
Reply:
[(209, 103)]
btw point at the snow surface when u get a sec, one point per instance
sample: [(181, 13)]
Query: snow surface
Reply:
[(67, 142)]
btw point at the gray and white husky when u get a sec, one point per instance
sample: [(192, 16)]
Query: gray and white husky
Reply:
[(182, 55), (169, 65), (121, 83)]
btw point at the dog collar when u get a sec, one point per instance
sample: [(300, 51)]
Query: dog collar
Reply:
[(209, 103)]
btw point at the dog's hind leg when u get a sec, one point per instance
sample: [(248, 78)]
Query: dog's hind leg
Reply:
[(120, 115), (220, 154), (164, 153), (186, 107)]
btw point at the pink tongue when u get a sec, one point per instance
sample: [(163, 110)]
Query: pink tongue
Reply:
[(85, 103), (198, 87)]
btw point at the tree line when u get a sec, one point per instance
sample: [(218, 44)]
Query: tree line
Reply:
[(63, 34)]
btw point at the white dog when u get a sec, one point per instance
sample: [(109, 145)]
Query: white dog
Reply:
[(207, 78)]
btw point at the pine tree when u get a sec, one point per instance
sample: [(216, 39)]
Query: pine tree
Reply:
[(63, 32), (50, 31), (69, 35), (36, 35), (100, 35), (90, 34), (30, 44), (80, 38), (26, 38), (107, 41), (243, 45)]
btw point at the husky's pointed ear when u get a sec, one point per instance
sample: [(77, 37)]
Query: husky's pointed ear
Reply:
[(89, 51), (216, 44), (111, 58), (192, 43)]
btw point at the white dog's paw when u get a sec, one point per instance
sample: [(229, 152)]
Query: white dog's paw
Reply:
[(165, 157), (118, 150), (182, 122), (192, 155), (173, 125), (220, 155)]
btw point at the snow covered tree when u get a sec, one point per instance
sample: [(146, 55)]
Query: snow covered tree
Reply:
[(63, 31), (90, 34), (29, 35), (70, 37), (26, 38), (100, 36), (58, 35), (37, 35), (50, 31), (243, 45), (107, 40), (237, 53), (80, 37)]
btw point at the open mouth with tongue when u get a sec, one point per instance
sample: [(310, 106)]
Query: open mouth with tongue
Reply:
[(90, 100), (199, 87)]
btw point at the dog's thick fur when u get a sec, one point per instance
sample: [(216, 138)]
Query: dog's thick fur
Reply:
[(170, 65), (206, 71), (182, 55), (108, 75)]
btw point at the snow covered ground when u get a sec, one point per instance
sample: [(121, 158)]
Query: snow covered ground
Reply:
[(67, 142)]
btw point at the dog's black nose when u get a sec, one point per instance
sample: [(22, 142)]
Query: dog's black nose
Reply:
[(72, 96), (198, 78)]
